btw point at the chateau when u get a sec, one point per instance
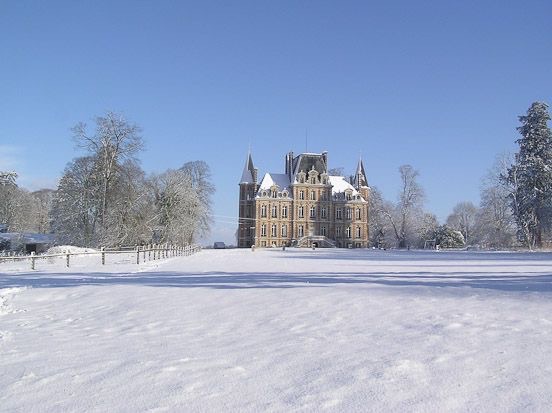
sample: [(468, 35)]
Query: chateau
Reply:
[(303, 206)]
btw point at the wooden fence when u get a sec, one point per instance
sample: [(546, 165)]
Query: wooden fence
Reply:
[(139, 254)]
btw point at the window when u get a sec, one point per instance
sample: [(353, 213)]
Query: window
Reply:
[(323, 212), (274, 211), (300, 212), (312, 212), (273, 230), (338, 213), (348, 196), (284, 230), (301, 194), (264, 193), (284, 211), (313, 180), (323, 231), (263, 211), (300, 231), (338, 232), (349, 213), (358, 213), (274, 194), (358, 232), (348, 232), (263, 230), (313, 196)]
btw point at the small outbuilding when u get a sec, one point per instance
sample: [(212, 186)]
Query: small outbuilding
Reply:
[(26, 242)]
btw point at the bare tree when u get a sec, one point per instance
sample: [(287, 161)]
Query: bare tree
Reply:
[(76, 205), (178, 206), (463, 219), (200, 176), (495, 222), (408, 208), (114, 141)]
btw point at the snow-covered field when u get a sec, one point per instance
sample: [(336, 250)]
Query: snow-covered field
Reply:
[(272, 330)]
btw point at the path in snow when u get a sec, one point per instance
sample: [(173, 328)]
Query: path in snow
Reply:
[(294, 330)]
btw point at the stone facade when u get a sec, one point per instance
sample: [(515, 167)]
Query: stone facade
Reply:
[(304, 206)]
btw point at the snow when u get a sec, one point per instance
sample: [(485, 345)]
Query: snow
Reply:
[(271, 179), (340, 184), (272, 330)]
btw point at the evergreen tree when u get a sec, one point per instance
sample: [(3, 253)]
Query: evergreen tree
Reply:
[(531, 176)]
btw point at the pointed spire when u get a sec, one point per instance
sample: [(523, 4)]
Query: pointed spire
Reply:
[(249, 172), (360, 175)]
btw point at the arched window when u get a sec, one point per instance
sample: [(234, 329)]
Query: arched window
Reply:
[(263, 211)]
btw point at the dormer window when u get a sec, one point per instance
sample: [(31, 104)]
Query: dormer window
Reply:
[(313, 176)]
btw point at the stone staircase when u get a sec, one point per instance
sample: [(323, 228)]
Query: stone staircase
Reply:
[(319, 240)]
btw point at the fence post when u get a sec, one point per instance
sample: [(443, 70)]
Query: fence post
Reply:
[(32, 260), (68, 255), (137, 254), (149, 252)]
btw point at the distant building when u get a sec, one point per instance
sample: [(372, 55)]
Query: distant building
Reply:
[(26, 242), (303, 206)]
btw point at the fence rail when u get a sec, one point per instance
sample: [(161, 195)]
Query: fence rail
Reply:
[(141, 254)]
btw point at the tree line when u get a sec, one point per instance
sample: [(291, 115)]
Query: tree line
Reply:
[(104, 197), (515, 207)]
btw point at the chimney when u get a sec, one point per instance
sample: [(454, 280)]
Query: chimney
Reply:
[(289, 166), (325, 157)]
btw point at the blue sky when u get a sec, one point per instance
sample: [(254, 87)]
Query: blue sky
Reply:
[(436, 84)]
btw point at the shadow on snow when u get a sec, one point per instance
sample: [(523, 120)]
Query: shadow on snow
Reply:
[(501, 281)]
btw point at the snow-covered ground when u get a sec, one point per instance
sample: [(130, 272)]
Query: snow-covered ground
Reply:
[(272, 330)]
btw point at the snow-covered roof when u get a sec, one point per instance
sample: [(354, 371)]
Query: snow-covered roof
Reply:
[(28, 237), (340, 185), (271, 179)]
